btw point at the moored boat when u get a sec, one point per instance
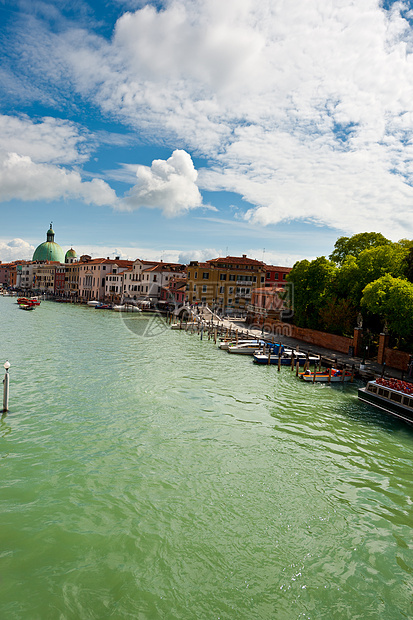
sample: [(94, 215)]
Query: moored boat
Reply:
[(390, 395), (126, 308), (285, 358), (336, 376), (103, 307), (229, 343), (93, 302), (248, 348)]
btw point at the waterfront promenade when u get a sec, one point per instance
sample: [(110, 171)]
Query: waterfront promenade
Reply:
[(328, 356)]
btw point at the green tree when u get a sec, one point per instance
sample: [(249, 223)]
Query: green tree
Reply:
[(392, 300), (312, 288), (346, 246)]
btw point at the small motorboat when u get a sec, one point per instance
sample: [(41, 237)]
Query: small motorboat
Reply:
[(285, 359), (103, 307), (324, 376), (126, 308), (27, 306), (229, 343), (93, 302), (253, 347)]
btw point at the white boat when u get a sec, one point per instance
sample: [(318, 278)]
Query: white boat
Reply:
[(93, 302), (286, 358), (229, 343), (248, 348), (126, 308)]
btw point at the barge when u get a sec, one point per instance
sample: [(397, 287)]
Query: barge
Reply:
[(390, 395)]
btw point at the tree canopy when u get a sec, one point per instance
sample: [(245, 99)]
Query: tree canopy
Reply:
[(362, 270), (346, 246)]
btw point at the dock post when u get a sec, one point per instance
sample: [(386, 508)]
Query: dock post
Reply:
[(352, 374), (279, 360), (297, 368), (6, 383), (329, 375), (315, 372), (269, 356), (292, 362), (344, 372)]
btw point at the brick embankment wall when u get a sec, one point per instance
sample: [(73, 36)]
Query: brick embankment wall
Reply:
[(396, 359), (322, 339), (311, 336)]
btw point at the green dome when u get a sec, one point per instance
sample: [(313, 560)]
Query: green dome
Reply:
[(49, 250), (70, 254)]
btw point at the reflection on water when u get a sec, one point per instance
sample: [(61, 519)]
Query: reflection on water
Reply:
[(146, 474)]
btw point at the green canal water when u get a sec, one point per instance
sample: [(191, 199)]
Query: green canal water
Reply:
[(146, 474)]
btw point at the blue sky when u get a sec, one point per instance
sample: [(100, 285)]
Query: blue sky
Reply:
[(191, 129)]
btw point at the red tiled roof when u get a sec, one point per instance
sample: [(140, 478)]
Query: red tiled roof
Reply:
[(276, 268), (237, 260)]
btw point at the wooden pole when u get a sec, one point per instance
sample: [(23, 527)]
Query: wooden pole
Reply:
[(6, 383), (352, 374), (315, 372), (297, 368), (279, 360), (329, 375), (344, 372), (269, 356), (292, 361)]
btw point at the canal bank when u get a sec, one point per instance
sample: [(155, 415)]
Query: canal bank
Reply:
[(365, 369)]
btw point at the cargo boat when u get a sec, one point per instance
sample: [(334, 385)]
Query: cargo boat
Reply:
[(390, 395)]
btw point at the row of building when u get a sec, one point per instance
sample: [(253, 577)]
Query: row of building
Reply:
[(230, 284)]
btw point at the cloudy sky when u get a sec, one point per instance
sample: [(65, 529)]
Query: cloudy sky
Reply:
[(187, 129)]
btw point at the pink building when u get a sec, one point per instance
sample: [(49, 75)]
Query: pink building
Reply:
[(93, 274)]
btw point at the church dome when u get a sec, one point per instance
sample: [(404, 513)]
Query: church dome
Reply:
[(49, 250), (70, 254)]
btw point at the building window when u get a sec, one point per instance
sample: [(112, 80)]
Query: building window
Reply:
[(268, 275), (223, 276), (196, 275), (221, 289), (284, 276), (231, 276), (262, 279), (204, 288), (205, 275), (203, 299)]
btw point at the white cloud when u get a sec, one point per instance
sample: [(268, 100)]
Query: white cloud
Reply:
[(24, 179), (303, 108), (50, 140), (15, 249), (198, 255), (167, 185)]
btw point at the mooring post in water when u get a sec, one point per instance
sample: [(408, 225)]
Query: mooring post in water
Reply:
[(297, 368), (6, 382)]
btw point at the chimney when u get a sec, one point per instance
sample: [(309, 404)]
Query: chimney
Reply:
[(244, 256)]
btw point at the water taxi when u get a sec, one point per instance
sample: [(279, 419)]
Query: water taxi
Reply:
[(390, 395)]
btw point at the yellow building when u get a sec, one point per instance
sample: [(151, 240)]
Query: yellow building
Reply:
[(225, 284)]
